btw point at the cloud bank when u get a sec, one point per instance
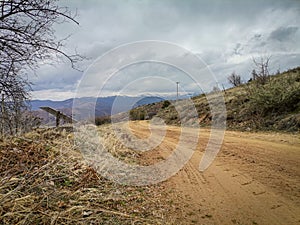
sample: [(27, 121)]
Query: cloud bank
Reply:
[(226, 35)]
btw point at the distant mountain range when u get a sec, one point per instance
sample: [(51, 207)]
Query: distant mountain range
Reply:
[(104, 105)]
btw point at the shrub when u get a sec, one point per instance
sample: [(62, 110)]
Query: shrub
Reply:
[(102, 120), (166, 103), (279, 95), (137, 114)]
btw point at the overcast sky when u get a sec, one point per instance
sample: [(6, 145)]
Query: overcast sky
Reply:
[(226, 35)]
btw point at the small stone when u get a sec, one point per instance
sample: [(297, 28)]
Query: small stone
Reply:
[(87, 213)]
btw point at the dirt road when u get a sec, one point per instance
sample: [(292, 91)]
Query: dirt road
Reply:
[(255, 179)]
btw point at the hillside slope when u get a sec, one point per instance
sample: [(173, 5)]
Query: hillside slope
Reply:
[(251, 106)]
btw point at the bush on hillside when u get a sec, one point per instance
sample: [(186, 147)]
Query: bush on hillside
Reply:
[(166, 104), (265, 106), (102, 120), (279, 95), (137, 114)]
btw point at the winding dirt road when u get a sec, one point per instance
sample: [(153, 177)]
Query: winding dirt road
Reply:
[(255, 179)]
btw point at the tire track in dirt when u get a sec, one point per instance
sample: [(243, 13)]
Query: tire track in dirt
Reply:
[(231, 190)]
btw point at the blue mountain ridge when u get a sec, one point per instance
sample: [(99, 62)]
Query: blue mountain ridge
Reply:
[(104, 105)]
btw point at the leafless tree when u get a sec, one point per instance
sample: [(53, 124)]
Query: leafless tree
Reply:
[(27, 37), (27, 33), (261, 72), (14, 91), (234, 79)]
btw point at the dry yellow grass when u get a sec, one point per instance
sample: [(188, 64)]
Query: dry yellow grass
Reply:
[(44, 180)]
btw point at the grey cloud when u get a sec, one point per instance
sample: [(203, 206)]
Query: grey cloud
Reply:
[(225, 34), (59, 77), (283, 33)]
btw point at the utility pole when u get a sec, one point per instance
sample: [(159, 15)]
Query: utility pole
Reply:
[(177, 83)]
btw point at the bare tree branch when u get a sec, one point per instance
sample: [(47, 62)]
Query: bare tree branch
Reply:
[(234, 79), (261, 72), (27, 37)]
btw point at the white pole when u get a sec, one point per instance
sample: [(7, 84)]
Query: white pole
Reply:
[(177, 90)]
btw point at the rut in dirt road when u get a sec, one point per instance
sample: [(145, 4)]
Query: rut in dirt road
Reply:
[(242, 186)]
